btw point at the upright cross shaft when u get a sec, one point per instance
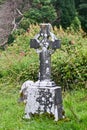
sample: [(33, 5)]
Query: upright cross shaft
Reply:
[(45, 65), (46, 42)]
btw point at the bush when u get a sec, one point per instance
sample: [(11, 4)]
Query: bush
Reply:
[(41, 11), (69, 66), (24, 24), (34, 15), (10, 39), (76, 24), (14, 35)]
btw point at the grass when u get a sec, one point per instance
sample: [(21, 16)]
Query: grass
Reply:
[(11, 112)]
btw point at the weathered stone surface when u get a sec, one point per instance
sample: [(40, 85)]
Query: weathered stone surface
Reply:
[(43, 96), (43, 99), (46, 42)]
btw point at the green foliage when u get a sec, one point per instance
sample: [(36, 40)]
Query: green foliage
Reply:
[(83, 15), (24, 24), (10, 38), (70, 69), (56, 12), (34, 15), (36, 2), (84, 22), (66, 12), (20, 63), (81, 7), (69, 64), (48, 14), (41, 11), (14, 35), (76, 24), (18, 32)]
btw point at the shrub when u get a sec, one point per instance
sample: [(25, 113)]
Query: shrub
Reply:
[(41, 11), (10, 39), (69, 66), (24, 23), (14, 35), (66, 12), (76, 24)]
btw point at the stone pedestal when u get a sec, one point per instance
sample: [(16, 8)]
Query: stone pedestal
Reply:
[(44, 99)]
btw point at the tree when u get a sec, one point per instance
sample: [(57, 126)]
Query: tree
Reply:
[(81, 6), (65, 11), (41, 11)]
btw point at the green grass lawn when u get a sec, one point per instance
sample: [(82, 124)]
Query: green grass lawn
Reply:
[(11, 112)]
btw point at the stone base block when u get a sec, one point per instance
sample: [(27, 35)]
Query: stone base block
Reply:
[(44, 99)]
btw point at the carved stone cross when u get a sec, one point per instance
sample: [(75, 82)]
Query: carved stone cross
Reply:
[(43, 95), (46, 43)]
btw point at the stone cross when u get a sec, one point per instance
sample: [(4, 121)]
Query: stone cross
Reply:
[(43, 96), (46, 43)]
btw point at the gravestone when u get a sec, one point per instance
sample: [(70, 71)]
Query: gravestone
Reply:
[(43, 96)]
